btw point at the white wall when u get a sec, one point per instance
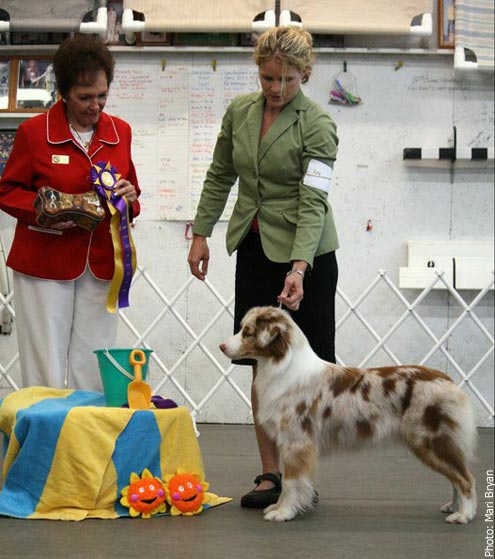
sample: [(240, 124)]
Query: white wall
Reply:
[(417, 105)]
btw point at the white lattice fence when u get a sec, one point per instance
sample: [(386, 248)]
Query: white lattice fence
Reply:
[(182, 344)]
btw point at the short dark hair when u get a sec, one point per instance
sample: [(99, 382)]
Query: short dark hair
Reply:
[(78, 61)]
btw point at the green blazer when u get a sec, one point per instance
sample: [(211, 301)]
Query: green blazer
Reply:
[(295, 218)]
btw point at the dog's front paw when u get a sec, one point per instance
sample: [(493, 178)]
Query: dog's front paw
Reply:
[(279, 514)]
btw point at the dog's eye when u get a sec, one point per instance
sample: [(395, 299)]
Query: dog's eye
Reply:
[(247, 334)]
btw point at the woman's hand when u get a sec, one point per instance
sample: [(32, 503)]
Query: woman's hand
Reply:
[(125, 188), (199, 256), (293, 292)]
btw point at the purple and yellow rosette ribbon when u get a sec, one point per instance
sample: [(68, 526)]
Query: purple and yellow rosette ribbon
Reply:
[(104, 176)]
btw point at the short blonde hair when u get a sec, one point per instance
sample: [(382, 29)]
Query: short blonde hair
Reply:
[(291, 46)]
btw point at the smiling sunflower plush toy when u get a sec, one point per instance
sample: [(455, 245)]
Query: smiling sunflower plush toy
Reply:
[(186, 493), (145, 495)]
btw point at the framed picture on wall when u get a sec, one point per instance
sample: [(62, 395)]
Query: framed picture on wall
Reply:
[(4, 84), (154, 38), (36, 87), (27, 84), (6, 144), (446, 23), (114, 23)]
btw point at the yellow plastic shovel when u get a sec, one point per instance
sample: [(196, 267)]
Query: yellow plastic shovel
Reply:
[(138, 392)]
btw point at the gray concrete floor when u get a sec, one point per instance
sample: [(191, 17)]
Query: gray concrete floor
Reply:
[(376, 504)]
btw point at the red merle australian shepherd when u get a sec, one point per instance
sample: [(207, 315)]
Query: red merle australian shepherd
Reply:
[(310, 406)]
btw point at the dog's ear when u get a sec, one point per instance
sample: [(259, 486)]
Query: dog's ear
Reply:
[(272, 339), (266, 332)]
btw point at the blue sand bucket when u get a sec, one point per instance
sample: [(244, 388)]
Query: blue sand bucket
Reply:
[(116, 373)]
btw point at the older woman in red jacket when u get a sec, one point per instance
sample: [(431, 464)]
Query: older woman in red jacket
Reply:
[(62, 272)]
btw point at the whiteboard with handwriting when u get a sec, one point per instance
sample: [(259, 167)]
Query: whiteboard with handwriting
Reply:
[(175, 111)]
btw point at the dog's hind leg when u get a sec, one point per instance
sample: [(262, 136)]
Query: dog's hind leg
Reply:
[(300, 469), (442, 454)]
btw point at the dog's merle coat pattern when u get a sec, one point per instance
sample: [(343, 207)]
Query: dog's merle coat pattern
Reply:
[(310, 406)]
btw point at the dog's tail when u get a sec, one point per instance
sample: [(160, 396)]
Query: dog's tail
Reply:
[(467, 434)]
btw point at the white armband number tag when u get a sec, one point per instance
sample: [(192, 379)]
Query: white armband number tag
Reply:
[(318, 175)]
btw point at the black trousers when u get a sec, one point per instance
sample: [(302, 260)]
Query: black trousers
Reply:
[(258, 282)]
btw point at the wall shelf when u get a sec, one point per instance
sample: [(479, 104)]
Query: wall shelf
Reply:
[(464, 264), (13, 50), (452, 154)]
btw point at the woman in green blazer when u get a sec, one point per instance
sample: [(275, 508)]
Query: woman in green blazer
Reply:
[(282, 147)]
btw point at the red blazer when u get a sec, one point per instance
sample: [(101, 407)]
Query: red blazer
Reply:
[(46, 253)]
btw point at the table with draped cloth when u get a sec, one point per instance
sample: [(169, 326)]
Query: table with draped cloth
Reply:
[(67, 456)]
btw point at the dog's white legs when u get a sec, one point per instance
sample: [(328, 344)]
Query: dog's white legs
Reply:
[(297, 496), (300, 461), (462, 508), (467, 505)]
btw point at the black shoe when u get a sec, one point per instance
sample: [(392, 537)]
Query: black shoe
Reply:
[(264, 497)]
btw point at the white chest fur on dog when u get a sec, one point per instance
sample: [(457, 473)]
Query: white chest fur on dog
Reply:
[(310, 406)]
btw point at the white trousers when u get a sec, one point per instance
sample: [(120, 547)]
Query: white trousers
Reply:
[(59, 324)]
